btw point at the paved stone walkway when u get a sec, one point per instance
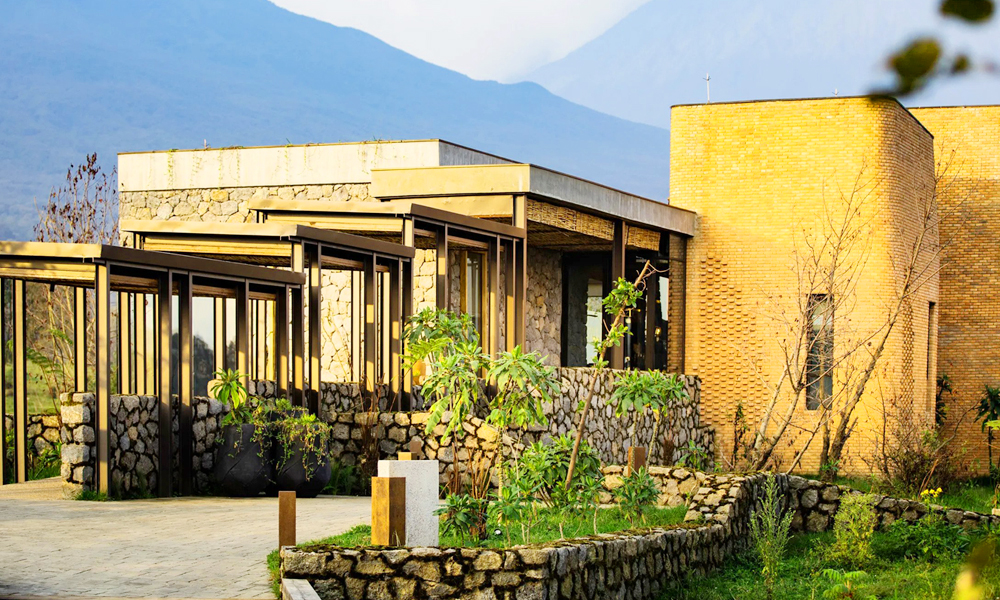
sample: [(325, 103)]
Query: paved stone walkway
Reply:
[(175, 548)]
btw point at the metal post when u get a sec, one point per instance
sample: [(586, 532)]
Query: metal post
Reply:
[(617, 358), (185, 384), (243, 330), (357, 325), (406, 310), (520, 292), (315, 326), (164, 302), (3, 380), (394, 326), (260, 363), (219, 346), (141, 356), (80, 339), (371, 341), (20, 384), (281, 341), (286, 519), (102, 343), (442, 285), (491, 341), (298, 332), (510, 294), (298, 348), (124, 345)]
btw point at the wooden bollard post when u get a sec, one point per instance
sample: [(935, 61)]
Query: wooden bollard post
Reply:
[(388, 511), (286, 519), (636, 459)]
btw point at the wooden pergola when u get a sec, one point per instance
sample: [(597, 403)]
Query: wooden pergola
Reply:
[(310, 251), (135, 274), (417, 226)]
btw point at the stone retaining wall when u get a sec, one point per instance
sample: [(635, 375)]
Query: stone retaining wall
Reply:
[(815, 504), (636, 565), (609, 435), (135, 435), (43, 431)]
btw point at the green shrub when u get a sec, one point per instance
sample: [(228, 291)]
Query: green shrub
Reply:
[(343, 479), (464, 515), (853, 528), (845, 585), (769, 531), (544, 468), (931, 538), (637, 493)]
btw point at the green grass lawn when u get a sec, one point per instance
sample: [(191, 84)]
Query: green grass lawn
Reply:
[(801, 577)]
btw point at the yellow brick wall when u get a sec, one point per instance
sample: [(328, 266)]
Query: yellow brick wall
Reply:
[(758, 175), (967, 145)]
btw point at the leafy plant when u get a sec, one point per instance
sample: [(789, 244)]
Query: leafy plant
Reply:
[(343, 479), (639, 391), (932, 538), (228, 388), (989, 410), (845, 585), (853, 528), (694, 457), (769, 527), (304, 432), (636, 494), (464, 516), (545, 467)]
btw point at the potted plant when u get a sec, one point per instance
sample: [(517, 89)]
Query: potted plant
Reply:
[(243, 464), (302, 454)]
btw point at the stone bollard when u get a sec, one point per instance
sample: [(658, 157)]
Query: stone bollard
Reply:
[(422, 481), (286, 519), (389, 511)]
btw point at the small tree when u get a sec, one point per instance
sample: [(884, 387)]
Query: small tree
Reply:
[(618, 304), (639, 391), (769, 526)]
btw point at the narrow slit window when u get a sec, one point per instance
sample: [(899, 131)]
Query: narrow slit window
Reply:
[(819, 358)]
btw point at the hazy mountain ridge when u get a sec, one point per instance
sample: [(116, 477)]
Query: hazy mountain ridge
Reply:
[(112, 76), (659, 55)]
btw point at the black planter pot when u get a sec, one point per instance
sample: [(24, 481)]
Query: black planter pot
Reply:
[(242, 466), (306, 476)]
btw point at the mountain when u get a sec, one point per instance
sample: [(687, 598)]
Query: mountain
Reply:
[(119, 75), (659, 54)]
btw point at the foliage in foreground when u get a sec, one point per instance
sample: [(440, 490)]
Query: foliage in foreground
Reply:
[(898, 568)]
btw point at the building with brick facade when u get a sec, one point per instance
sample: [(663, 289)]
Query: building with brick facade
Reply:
[(751, 184)]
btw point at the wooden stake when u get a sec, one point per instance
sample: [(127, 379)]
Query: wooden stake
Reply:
[(636, 459), (286, 519)]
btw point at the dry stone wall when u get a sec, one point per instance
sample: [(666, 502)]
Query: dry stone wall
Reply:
[(815, 504), (134, 428), (43, 431), (635, 565), (611, 436)]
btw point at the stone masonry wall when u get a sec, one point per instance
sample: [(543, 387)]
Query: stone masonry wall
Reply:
[(43, 431), (134, 442), (609, 435), (628, 565)]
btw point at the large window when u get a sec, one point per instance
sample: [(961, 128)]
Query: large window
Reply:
[(819, 348), (584, 280), (472, 287)]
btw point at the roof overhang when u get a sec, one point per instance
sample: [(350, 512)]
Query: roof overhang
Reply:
[(531, 180)]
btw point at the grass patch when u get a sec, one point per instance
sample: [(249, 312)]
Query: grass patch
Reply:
[(801, 576), (274, 571), (92, 496), (973, 494), (546, 530)]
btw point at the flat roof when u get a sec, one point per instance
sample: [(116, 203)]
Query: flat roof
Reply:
[(280, 231), (395, 209), (524, 178), (131, 257), (290, 165), (870, 98)]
